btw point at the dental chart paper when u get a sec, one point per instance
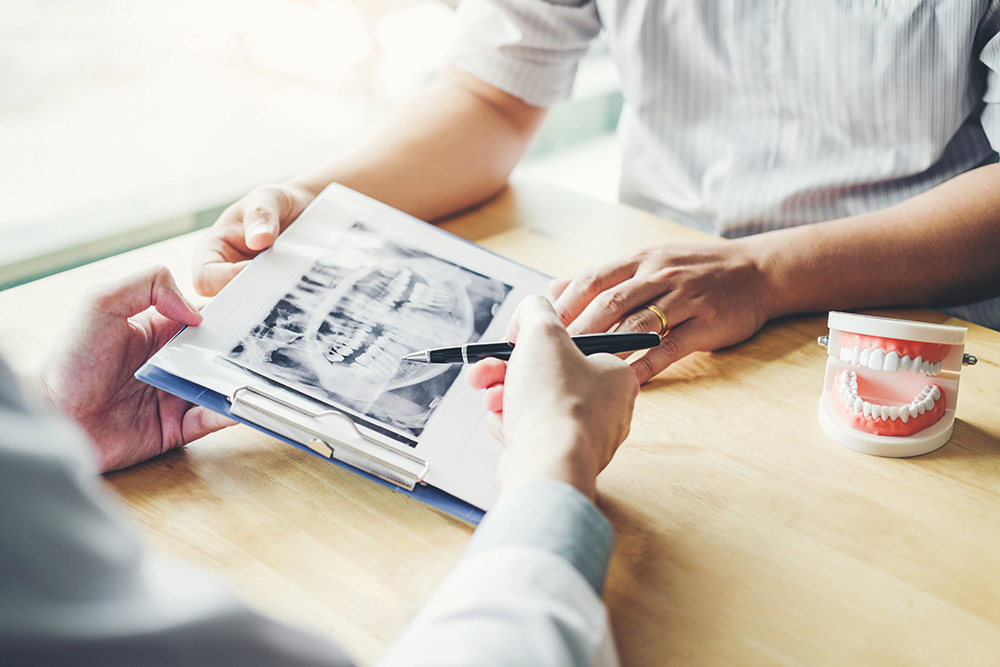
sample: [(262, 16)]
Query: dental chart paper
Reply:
[(322, 319)]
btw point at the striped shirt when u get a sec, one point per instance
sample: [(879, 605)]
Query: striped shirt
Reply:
[(743, 117)]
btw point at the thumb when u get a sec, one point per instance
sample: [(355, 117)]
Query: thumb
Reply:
[(199, 422), (261, 221), (211, 277), (166, 297), (136, 293)]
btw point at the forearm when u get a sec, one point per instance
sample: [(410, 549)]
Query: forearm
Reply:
[(942, 246), (449, 148)]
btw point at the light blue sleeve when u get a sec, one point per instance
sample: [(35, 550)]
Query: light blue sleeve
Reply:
[(78, 587), (555, 517)]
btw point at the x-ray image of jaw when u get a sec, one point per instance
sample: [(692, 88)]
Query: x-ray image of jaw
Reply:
[(340, 331)]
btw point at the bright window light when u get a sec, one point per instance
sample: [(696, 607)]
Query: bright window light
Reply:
[(119, 115)]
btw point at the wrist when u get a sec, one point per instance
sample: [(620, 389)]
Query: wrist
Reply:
[(561, 451), (767, 255), (304, 191), (39, 393)]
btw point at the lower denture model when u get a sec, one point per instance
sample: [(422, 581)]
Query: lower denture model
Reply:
[(891, 385)]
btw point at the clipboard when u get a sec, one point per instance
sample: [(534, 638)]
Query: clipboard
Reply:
[(269, 416), (283, 346)]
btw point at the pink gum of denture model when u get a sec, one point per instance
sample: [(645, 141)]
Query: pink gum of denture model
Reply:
[(891, 385)]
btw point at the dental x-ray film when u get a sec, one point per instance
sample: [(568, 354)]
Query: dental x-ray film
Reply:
[(340, 330), (318, 324)]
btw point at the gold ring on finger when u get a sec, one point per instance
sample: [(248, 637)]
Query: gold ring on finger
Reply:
[(664, 328)]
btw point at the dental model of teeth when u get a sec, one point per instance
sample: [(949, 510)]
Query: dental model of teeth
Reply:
[(891, 385), (878, 359)]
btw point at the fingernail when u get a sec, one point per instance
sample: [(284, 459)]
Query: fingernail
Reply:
[(258, 237)]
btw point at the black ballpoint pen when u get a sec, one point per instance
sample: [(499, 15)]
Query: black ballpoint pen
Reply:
[(589, 344)]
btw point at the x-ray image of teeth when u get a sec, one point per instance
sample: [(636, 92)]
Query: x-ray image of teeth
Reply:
[(340, 330)]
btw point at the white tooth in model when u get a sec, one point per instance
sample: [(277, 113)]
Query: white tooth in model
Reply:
[(891, 362)]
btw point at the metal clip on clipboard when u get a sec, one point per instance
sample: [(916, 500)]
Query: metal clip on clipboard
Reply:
[(330, 434)]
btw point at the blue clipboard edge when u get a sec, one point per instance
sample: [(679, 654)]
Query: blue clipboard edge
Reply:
[(216, 402)]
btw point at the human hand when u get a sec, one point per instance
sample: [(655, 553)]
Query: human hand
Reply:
[(713, 295), (561, 415), (243, 231), (88, 374)]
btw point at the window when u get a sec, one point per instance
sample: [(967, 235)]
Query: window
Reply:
[(127, 121)]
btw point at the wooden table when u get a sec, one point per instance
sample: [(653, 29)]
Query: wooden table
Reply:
[(746, 536)]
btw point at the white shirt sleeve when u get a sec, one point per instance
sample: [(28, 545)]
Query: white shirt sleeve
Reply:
[(77, 587), (528, 48), (526, 592)]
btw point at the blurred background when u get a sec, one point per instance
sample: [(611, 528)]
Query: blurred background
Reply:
[(126, 122)]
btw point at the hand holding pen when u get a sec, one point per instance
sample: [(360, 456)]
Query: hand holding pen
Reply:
[(560, 414)]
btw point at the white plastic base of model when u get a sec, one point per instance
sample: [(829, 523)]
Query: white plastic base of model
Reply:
[(923, 442)]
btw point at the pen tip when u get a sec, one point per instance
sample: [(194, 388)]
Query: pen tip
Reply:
[(415, 356)]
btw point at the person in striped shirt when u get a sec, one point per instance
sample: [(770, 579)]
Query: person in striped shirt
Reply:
[(849, 149)]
